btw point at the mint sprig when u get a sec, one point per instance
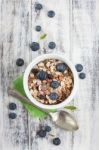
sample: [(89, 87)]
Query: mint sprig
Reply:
[(71, 107), (43, 36)]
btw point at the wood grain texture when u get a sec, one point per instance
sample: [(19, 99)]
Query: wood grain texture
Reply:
[(75, 30)]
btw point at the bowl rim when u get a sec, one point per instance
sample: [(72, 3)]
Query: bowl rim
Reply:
[(36, 61)]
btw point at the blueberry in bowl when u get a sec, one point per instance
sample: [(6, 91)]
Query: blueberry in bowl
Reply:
[(61, 67), (55, 84), (42, 75)]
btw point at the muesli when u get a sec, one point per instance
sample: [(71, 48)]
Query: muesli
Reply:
[(50, 81)]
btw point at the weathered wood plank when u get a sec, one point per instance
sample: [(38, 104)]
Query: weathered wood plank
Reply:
[(57, 30), (85, 37), (15, 37)]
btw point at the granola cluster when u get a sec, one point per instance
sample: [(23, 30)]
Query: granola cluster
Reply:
[(50, 81)]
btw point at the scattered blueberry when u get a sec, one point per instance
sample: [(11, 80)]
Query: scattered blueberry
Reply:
[(82, 75), (34, 71), (50, 76), (51, 45), (61, 67), (79, 67), (38, 28), (19, 62), (42, 75), (51, 13), (38, 6), (34, 46), (47, 128), (12, 106), (56, 141), (55, 84), (53, 96), (41, 133), (12, 115)]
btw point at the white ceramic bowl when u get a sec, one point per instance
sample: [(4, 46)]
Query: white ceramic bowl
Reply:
[(36, 61)]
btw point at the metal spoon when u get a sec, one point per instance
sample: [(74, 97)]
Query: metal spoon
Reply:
[(61, 118)]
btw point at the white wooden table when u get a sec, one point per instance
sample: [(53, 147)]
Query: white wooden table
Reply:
[(75, 30)]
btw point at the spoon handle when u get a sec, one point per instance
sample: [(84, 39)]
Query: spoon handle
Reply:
[(17, 95), (21, 98)]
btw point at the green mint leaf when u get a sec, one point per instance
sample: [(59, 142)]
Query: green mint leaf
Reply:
[(43, 36), (71, 107)]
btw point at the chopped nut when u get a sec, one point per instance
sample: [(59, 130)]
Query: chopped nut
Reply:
[(41, 64), (48, 64), (31, 75), (34, 81)]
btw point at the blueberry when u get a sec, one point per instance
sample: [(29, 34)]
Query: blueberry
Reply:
[(55, 84), (34, 46), (82, 75), (51, 13), (42, 75), (12, 115), (56, 141), (38, 28), (38, 6), (51, 45), (47, 128), (12, 106), (50, 76), (19, 62), (34, 71), (41, 133), (61, 67), (79, 67), (53, 96)]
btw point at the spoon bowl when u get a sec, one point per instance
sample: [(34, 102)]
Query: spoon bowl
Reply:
[(64, 120)]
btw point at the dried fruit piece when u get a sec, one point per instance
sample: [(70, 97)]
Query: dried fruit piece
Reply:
[(34, 71), (50, 76)]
